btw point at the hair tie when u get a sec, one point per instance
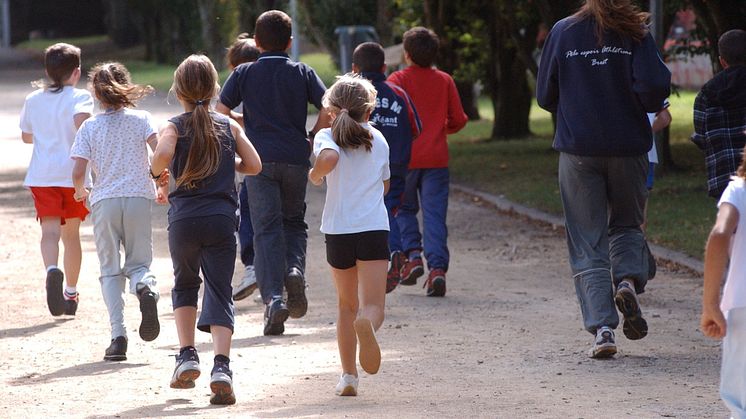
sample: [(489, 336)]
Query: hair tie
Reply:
[(344, 110), (199, 102)]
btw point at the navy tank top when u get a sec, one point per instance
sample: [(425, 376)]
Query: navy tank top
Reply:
[(214, 195)]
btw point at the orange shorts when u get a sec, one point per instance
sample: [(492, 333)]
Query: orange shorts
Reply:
[(55, 201)]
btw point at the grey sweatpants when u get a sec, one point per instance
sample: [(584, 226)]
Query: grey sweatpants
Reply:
[(603, 200), (123, 222)]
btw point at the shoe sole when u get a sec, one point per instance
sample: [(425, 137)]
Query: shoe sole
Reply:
[(244, 293), (634, 326), (603, 352), (149, 326), (370, 352), (411, 279), (297, 303), (438, 288), (55, 299), (185, 379), (348, 391), (115, 357), (277, 321), (222, 393)]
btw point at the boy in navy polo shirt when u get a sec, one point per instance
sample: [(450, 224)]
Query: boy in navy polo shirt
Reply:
[(275, 92), (395, 116)]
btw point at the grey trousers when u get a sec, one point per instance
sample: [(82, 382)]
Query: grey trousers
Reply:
[(603, 200), (123, 222)]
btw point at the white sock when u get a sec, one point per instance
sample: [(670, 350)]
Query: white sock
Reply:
[(71, 291), (50, 267)]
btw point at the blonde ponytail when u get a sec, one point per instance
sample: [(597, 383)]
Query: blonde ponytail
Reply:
[(351, 99)]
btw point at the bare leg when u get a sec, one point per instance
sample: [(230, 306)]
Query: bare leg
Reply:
[(346, 282), (372, 278), (73, 252), (50, 240), (186, 320), (221, 340)]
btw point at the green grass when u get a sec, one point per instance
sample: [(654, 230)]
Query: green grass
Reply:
[(680, 214), (41, 44), (323, 65)]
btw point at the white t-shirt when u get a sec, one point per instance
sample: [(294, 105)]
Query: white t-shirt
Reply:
[(49, 117), (115, 145), (354, 192), (734, 292)]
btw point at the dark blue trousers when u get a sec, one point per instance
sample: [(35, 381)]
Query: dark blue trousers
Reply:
[(245, 229)]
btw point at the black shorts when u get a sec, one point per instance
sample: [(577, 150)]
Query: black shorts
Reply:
[(344, 250)]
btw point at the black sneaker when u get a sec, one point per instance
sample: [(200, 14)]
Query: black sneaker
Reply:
[(295, 285), (634, 326), (221, 384), (187, 368), (604, 346), (149, 326), (117, 350), (55, 300), (274, 317), (71, 304)]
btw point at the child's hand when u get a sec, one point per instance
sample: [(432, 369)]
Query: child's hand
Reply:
[(316, 180), (81, 194), (163, 178), (161, 196), (713, 322)]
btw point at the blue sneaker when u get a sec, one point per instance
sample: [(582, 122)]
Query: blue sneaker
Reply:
[(275, 315), (187, 368), (221, 384)]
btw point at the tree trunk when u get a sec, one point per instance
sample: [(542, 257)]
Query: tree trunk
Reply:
[(211, 38), (469, 100)]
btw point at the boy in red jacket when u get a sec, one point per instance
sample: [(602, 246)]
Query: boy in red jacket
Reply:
[(437, 101)]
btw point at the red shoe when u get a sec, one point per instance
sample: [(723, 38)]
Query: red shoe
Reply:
[(436, 283), (394, 276), (412, 270)]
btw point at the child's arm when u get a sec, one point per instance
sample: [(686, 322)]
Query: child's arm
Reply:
[(79, 118), (27, 137), (456, 117), (699, 138), (79, 169), (164, 151), (712, 322), (250, 163), (324, 120), (325, 163), (662, 120), (386, 186), (152, 141), (238, 117)]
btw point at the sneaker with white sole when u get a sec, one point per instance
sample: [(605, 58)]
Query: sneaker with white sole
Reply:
[(221, 384), (187, 368), (347, 385), (634, 327), (248, 284), (604, 346)]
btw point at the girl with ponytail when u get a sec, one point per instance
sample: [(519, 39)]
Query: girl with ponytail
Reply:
[(353, 157), (199, 147)]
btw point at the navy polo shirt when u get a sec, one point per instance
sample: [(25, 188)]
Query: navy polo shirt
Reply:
[(275, 92)]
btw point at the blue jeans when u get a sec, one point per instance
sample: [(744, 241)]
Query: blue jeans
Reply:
[(426, 189), (393, 200), (278, 210), (245, 230), (603, 200)]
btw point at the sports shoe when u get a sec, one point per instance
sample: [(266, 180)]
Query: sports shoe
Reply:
[(187, 368), (398, 260), (412, 270), (275, 315), (295, 285), (55, 300), (347, 385), (248, 284), (117, 350), (604, 345), (634, 326), (149, 325), (221, 384), (71, 303), (436, 283), (370, 352)]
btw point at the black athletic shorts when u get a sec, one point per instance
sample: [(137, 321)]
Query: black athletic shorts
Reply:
[(344, 250)]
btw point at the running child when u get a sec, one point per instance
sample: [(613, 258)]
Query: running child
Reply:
[(200, 148), (354, 159), (50, 118), (726, 319), (115, 143)]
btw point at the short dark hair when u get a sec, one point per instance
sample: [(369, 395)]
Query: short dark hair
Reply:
[(422, 45), (60, 60), (273, 30), (243, 50), (732, 47), (369, 57)]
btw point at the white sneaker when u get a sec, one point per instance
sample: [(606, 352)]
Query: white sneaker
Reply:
[(247, 285), (347, 385), (604, 346)]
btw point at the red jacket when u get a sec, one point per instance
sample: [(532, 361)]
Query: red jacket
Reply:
[(438, 104)]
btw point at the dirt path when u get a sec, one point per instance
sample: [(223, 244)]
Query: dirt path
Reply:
[(507, 341)]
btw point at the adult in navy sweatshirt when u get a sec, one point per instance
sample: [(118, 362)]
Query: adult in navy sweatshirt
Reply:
[(600, 72)]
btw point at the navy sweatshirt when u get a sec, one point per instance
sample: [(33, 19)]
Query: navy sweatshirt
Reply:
[(600, 92)]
